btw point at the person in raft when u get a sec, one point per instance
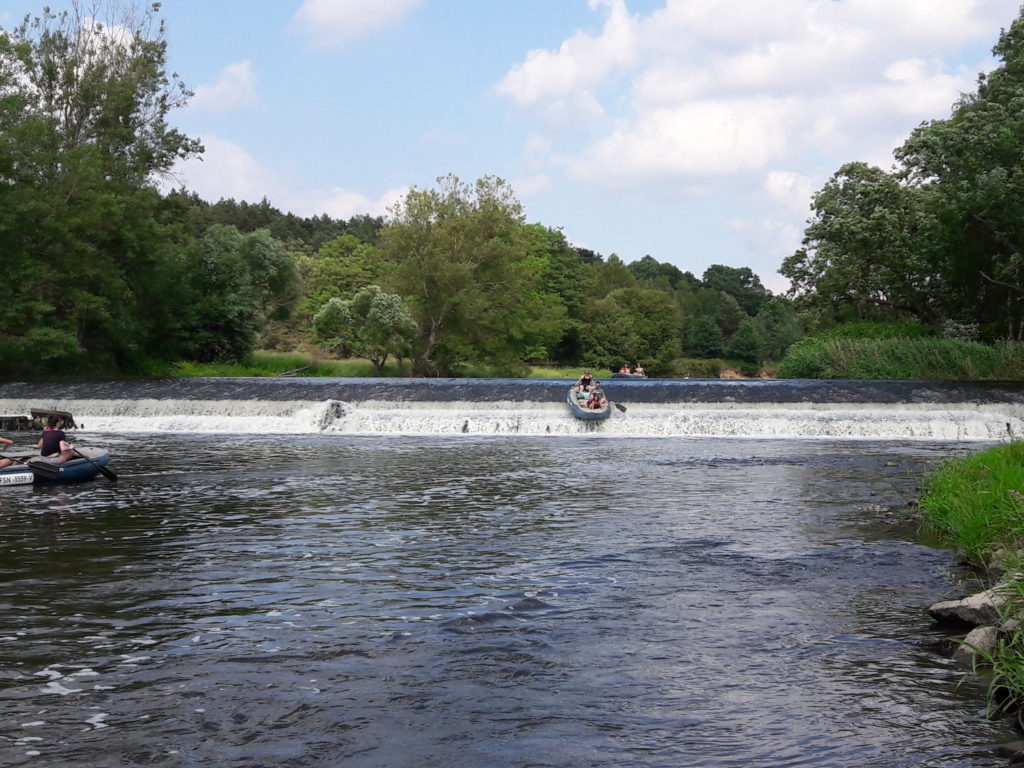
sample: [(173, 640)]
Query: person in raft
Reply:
[(4, 442), (597, 400), (585, 380), (52, 445)]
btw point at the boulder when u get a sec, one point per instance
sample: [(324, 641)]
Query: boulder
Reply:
[(975, 610), (979, 641)]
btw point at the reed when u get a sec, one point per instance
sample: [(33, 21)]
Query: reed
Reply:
[(902, 358)]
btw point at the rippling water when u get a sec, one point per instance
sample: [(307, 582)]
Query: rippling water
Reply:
[(442, 601)]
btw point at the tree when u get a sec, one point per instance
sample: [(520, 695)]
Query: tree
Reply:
[(459, 255), (866, 248), (237, 282), (341, 267), (739, 282), (654, 271), (603, 277), (704, 337), (779, 327), (746, 344), (972, 167), (92, 255), (372, 324), (632, 325)]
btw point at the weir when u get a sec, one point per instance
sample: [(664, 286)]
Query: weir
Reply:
[(654, 407)]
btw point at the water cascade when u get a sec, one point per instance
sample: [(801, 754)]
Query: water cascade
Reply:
[(660, 408)]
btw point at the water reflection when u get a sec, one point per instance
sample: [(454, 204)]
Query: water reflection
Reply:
[(505, 602)]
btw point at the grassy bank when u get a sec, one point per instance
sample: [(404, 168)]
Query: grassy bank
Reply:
[(902, 358), (267, 363), (976, 505)]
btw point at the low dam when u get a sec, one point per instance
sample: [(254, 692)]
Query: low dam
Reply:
[(657, 408)]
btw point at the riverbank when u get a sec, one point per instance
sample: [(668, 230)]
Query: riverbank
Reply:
[(975, 505)]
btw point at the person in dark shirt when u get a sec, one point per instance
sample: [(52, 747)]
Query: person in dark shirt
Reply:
[(53, 445)]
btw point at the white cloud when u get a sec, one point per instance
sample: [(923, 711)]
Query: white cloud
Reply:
[(532, 186), (234, 89), (342, 203), (732, 88), (791, 190), (694, 139), (226, 170), (334, 22), (560, 82)]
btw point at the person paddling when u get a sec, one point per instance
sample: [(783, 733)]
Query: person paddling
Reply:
[(52, 445)]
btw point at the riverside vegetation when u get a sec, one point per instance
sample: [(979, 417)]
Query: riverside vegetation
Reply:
[(105, 274), (975, 505)]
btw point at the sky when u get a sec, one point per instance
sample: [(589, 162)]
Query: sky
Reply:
[(693, 131)]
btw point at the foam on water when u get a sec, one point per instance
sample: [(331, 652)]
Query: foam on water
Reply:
[(923, 421)]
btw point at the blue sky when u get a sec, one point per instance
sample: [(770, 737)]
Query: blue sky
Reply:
[(691, 130)]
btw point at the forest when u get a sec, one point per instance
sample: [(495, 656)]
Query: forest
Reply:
[(105, 274)]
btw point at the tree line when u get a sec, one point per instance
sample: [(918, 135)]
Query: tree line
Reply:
[(938, 238), (103, 273)]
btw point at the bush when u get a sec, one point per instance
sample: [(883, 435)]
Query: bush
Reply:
[(871, 330), (692, 368), (902, 358)]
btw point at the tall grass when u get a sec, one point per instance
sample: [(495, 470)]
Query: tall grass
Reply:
[(976, 503), (902, 358), (268, 363)]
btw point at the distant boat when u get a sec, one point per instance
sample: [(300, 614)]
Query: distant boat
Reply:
[(618, 375), (575, 400)]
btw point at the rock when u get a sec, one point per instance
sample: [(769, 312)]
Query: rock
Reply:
[(975, 610), (979, 641), (1011, 748)]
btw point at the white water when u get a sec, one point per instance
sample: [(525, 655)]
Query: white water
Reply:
[(958, 422)]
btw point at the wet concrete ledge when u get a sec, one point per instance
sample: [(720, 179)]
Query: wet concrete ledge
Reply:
[(733, 391)]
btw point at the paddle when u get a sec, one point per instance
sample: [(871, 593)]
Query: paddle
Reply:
[(620, 406), (103, 470)]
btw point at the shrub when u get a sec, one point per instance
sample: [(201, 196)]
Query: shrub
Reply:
[(902, 358), (691, 368)]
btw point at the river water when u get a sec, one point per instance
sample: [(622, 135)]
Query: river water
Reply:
[(436, 600), (420, 573)]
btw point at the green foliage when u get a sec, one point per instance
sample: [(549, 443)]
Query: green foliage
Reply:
[(902, 358), (869, 330), (93, 257), (779, 327), (942, 237), (372, 324), (264, 363), (654, 272), (461, 257), (341, 267), (866, 248), (236, 282), (976, 503), (740, 283), (704, 337), (746, 345), (632, 325), (691, 368)]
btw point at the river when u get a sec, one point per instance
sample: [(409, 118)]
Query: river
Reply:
[(254, 597)]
